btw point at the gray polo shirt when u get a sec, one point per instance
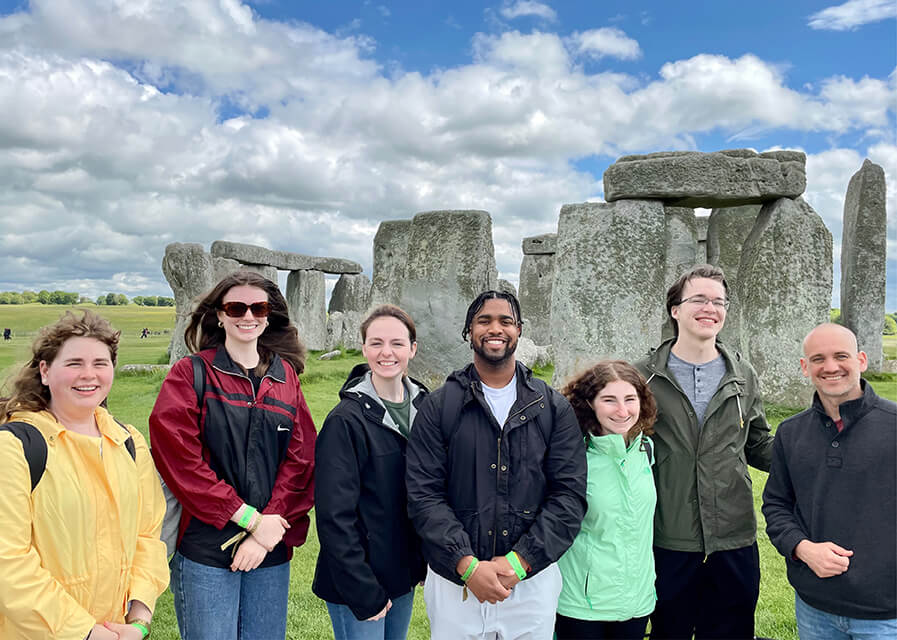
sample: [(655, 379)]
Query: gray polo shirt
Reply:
[(698, 381)]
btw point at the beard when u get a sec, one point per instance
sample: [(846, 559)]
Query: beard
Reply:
[(492, 356)]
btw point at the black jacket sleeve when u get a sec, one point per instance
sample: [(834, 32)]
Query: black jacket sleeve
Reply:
[(779, 503), (564, 506), (444, 540), (339, 458)]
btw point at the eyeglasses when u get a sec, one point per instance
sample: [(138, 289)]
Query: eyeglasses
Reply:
[(238, 309), (700, 301)]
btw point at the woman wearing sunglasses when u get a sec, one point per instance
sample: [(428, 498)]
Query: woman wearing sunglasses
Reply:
[(233, 439)]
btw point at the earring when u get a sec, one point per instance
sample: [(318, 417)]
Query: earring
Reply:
[(220, 324)]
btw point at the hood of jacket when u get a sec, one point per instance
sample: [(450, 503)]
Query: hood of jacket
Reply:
[(360, 387)]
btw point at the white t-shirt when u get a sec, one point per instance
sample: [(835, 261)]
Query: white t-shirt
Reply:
[(501, 400)]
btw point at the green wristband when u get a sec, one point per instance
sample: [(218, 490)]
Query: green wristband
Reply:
[(469, 572), (246, 518), (142, 628), (514, 561)]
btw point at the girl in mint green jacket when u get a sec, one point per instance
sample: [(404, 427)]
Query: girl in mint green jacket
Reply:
[(608, 573)]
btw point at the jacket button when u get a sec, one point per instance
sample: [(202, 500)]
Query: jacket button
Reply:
[(504, 467), (490, 532), (504, 532), (541, 405), (493, 465), (836, 444), (522, 418), (367, 406)]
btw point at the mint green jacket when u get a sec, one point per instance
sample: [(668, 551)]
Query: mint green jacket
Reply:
[(609, 570)]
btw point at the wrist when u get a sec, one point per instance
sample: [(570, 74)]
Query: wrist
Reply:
[(141, 625), (471, 567), (514, 560)]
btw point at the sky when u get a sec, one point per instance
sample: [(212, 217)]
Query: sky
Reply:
[(297, 125)]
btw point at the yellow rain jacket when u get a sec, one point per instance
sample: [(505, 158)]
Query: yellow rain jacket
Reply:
[(86, 542)]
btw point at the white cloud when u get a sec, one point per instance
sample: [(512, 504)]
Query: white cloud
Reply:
[(522, 8), (606, 41), (853, 14)]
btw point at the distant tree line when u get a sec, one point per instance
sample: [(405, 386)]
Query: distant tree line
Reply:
[(889, 328), (70, 297)]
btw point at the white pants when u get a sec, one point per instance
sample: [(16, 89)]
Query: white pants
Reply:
[(527, 614)]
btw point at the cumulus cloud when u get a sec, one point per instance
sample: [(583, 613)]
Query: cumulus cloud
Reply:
[(127, 126), (606, 41), (853, 14), (522, 8)]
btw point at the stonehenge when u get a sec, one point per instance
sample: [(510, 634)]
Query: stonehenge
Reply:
[(863, 257), (596, 288)]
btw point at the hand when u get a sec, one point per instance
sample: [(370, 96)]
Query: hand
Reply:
[(382, 613), (485, 584), (123, 631), (270, 531), (249, 555), (99, 632), (826, 559), (506, 574)]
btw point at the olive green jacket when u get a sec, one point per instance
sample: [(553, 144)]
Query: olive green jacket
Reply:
[(704, 497)]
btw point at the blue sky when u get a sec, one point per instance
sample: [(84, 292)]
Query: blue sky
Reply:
[(300, 126)]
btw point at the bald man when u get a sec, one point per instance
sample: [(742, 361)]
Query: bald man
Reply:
[(831, 499)]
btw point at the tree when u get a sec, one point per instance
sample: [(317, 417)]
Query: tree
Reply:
[(834, 315), (43, 297), (101, 300), (890, 327), (110, 299), (149, 301), (163, 301), (29, 296)]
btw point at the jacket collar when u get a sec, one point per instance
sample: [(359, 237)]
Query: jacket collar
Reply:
[(852, 410), (660, 356), (50, 426), (470, 380), (225, 363), (359, 386)]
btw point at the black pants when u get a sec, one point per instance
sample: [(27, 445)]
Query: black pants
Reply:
[(573, 629), (712, 599)]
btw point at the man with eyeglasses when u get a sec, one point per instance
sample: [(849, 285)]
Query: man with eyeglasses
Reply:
[(710, 426)]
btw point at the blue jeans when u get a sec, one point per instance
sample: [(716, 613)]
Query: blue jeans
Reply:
[(813, 624), (219, 604), (392, 627)]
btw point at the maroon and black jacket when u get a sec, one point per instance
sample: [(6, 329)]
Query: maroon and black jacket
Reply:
[(257, 449)]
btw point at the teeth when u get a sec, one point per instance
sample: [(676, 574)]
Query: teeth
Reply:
[(86, 388)]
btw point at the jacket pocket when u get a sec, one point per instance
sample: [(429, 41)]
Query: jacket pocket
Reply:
[(522, 521)]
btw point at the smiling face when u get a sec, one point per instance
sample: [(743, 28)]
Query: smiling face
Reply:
[(388, 347), (617, 407), (700, 321), (494, 332), (247, 328), (833, 364), (79, 377)]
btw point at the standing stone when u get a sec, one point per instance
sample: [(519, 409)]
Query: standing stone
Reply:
[(264, 270), (390, 256), (450, 261), (785, 289), (351, 293), (681, 251), (506, 287), (728, 228), (188, 269), (344, 329), (608, 294), (864, 260), (223, 266), (305, 300), (536, 279)]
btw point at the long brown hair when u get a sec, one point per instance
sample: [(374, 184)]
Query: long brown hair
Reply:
[(582, 389), (279, 337), (28, 393)]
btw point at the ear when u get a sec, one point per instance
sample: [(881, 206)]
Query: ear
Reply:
[(674, 312), (864, 361), (43, 367), (803, 367), (413, 350)]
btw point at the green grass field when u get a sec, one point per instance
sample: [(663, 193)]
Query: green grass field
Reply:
[(132, 399)]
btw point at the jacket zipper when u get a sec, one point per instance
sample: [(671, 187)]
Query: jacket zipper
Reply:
[(255, 391)]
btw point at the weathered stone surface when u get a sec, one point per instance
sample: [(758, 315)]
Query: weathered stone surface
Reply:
[(506, 287), (263, 270), (305, 300), (344, 329), (537, 245), (863, 260), (608, 294), (330, 355), (450, 261), (188, 269), (681, 241), (390, 256), (785, 288), (531, 354), (350, 293), (728, 229), (252, 254), (719, 179), (536, 280), (225, 266)]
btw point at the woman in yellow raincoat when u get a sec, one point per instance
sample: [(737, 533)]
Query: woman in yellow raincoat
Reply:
[(81, 504)]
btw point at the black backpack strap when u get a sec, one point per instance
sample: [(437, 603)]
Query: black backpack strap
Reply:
[(34, 446), (452, 399), (129, 443), (199, 379), (646, 447)]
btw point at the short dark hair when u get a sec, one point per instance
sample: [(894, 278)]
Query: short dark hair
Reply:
[(389, 311), (480, 300), (583, 388), (674, 293), (279, 337)]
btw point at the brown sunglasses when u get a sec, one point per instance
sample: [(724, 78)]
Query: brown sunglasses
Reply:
[(238, 309)]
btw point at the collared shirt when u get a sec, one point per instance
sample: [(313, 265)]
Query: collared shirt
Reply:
[(698, 381)]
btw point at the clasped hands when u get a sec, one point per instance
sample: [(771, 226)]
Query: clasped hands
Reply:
[(492, 580), (255, 547)]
